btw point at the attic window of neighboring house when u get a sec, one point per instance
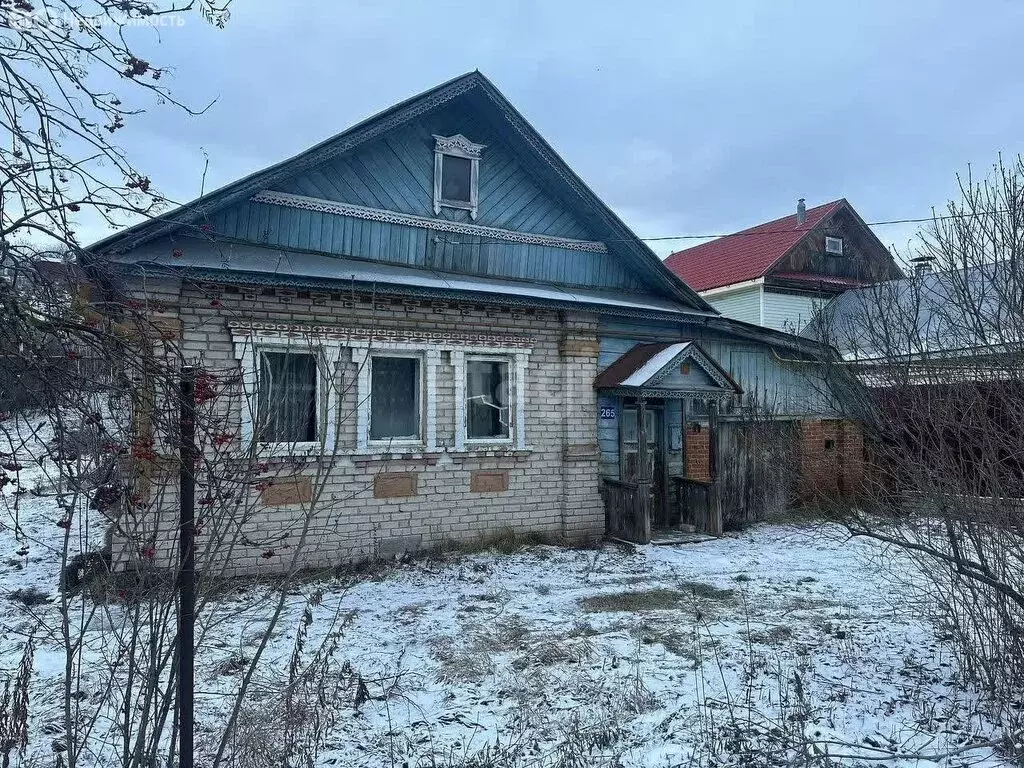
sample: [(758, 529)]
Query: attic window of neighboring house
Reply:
[(834, 246), (456, 173)]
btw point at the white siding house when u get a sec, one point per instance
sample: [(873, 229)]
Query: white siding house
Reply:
[(778, 273), (758, 304), (787, 311), (738, 302)]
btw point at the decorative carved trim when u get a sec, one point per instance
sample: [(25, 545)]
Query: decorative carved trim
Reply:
[(442, 339), (437, 225), (694, 354), (703, 396), (459, 146)]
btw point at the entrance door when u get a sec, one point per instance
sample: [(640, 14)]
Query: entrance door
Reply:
[(630, 452)]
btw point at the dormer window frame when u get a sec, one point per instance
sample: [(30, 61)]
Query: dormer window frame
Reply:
[(457, 146)]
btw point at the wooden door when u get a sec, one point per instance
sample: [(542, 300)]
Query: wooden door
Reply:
[(630, 452)]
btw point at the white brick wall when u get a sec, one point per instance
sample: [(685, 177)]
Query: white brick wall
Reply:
[(553, 486)]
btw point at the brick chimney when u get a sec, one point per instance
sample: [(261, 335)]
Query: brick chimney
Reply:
[(801, 212)]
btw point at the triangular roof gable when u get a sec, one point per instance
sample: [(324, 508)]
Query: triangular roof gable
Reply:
[(655, 367), (750, 253), (532, 148)]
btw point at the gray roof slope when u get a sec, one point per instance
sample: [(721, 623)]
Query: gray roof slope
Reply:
[(933, 314), (257, 265)]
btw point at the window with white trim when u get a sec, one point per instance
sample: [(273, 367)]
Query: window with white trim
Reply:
[(488, 399), (287, 401), (834, 246), (396, 398), (456, 173)]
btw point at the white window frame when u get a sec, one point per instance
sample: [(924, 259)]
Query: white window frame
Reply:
[(248, 353), (421, 390), (431, 359), (516, 360), (457, 146), (836, 243), (334, 355)]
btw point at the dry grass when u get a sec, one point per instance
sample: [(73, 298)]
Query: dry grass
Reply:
[(657, 599), (771, 635), (677, 642)]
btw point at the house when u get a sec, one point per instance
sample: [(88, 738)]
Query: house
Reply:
[(428, 328), (778, 273), (939, 356)]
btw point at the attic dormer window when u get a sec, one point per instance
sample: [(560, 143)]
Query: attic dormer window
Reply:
[(456, 173), (834, 246)]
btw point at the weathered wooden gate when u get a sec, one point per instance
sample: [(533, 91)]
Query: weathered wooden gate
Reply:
[(757, 469)]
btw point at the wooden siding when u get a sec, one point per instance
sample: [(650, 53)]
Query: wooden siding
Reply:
[(863, 257), (283, 227), (396, 173), (788, 390), (743, 304)]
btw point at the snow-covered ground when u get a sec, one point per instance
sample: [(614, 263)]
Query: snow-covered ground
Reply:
[(662, 656)]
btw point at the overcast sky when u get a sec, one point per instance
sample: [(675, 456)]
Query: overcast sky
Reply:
[(685, 117)]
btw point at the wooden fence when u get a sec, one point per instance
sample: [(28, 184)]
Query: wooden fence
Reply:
[(624, 514), (698, 504)]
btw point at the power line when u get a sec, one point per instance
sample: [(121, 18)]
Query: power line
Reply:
[(759, 232), (810, 229)]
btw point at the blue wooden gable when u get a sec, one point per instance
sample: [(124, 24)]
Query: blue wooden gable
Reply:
[(368, 193), (395, 173)]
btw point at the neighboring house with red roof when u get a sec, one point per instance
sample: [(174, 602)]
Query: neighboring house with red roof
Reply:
[(777, 273)]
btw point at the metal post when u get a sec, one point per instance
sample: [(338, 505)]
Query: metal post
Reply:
[(186, 571)]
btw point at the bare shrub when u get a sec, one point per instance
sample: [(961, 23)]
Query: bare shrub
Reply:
[(933, 366)]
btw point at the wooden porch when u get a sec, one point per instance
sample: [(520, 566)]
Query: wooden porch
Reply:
[(695, 508), (648, 392), (687, 505)]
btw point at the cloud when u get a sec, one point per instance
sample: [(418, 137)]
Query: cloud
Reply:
[(686, 117)]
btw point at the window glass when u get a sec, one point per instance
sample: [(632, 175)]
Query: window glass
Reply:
[(287, 398), (629, 433), (487, 399), (394, 398), (456, 177)]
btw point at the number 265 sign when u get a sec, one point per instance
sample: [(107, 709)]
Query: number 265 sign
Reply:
[(607, 411)]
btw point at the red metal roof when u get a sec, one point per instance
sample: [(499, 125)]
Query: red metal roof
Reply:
[(745, 255), (805, 277)]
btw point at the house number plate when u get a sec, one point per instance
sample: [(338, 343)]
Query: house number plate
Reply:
[(607, 411)]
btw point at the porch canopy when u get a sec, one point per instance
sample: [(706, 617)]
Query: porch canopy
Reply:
[(663, 372), (668, 370)]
